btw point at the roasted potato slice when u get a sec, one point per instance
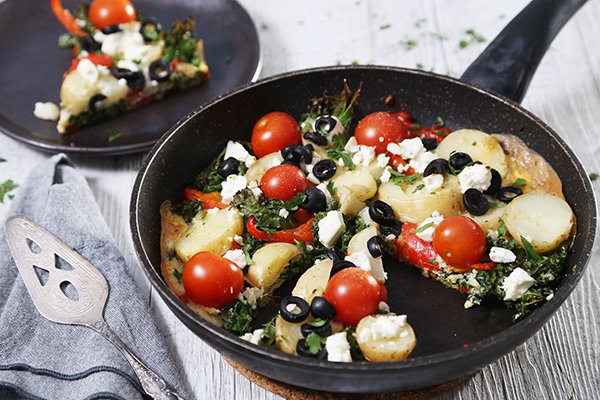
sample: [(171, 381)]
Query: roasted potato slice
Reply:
[(269, 263), (394, 344)]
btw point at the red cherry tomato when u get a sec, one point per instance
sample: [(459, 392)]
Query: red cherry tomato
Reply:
[(459, 241), (379, 129), (104, 13), (402, 116), (383, 296), (273, 132), (354, 293), (211, 280), (283, 182)]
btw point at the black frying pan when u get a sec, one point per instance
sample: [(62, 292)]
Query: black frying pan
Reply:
[(436, 313)]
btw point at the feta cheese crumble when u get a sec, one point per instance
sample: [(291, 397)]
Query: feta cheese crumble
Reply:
[(421, 162), (48, 111), (384, 327), (323, 188), (253, 337), (364, 155), (236, 150), (331, 228), (516, 284), (338, 348), (366, 217), (382, 160), (360, 259), (283, 213), (476, 176), (351, 145), (501, 255), (232, 185), (433, 182), (408, 148), (237, 256), (385, 177), (425, 230)]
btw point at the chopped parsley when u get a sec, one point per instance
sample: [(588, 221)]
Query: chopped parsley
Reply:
[(314, 343), (593, 176), (402, 180), (114, 137), (409, 44), (531, 253), (5, 187), (355, 351), (228, 59), (180, 42), (384, 27), (266, 210), (209, 180), (331, 188), (420, 22), (2, 159), (268, 337), (440, 121), (520, 182), (187, 209), (473, 37), (237, 317)]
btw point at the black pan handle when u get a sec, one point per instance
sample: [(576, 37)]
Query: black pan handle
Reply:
[(507, 65)]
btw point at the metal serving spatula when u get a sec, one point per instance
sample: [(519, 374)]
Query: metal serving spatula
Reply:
[(75, 295)]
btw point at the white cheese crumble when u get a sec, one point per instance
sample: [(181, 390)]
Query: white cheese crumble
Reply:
[(365, 217), (385, 177), (433, 182), (492, 234), (501, 255), (351, 145), (253, 337), (476, 176), (365, 261), (364, 156), (425, 230), (283, 213), (408, 148), (384, 327), (236, 150), (232, 185), (238, 239), (338, 348), (382, 160), (360, 259), (421, 162), (516, 284), (331, 228), (212, 211), (237, 256), (313, 179), (323, 188), (48, 111), (88, 70)]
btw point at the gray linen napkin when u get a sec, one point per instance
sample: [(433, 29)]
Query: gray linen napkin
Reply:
[(42, 359)]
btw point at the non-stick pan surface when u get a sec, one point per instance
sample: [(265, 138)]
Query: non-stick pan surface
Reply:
[(452, 341)]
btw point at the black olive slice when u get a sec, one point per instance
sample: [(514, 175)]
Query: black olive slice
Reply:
[(321, 308), (89, 44), (324, 169), (135, 80), (145, 32), (291, 316), (110, 29), (382, 213), (302, 350), (375, 246), (297, 153), (228, 167), (475, 202), (160, 71), (325, 123), (459, 160), (323, 330), (437, 166), (315, 200), (508, 193), (335, 254), (291, 162), (340, 265), (393, 229), (495, 184), (95, 101), (316, 138), (429, 144)]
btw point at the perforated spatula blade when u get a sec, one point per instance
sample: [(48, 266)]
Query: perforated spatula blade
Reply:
[(66, 288)]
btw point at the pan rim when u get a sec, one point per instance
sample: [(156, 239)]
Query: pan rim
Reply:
[(513, 334)]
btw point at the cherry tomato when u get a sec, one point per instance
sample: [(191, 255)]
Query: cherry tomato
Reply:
[(383, 295), (273, 132), (354, 293), (459, 241), (283, 182), (402, 116), (379, 129), (104, 13), (211, 280)]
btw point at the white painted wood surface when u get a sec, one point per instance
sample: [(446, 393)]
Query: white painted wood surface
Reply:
[(563, 359)]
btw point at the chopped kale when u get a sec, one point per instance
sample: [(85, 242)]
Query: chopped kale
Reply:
[(180, 42), (6, 187), (268, 337), (209, 180), (355, 351), (354, 224), (187, 209), (237, 317), (340, 106), (89, 117)]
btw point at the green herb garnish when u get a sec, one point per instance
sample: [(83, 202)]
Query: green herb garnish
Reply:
[(384, 27), (331, 188), (531, 253), (238, 317), (520, 182), (422, 228), (114, 137), (314, 343), (593, 176), (404, 180), (6, 187), (440, 121)]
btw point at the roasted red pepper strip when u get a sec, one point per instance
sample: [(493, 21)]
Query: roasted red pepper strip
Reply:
[(96, 59), (65, 17), (302, 215), (302, 233), (209, 200)]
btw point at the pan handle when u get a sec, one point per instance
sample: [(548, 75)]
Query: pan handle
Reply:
[(507, 65)]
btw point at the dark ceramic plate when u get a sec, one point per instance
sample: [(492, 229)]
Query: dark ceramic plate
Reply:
[(32, 67)]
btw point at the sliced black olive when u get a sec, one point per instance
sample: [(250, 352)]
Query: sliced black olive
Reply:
[(382, 213), (160, 71), (89, 44), (325, 123), (508, 193), (335, 254), (228, 167), (95, 101), (429, 144), (316, 138), (324, 169), (393, 229), (321, 308), (135, 80), (315, 200), (110, 29), (495, 184), (475, 202), (437, 166), (323, 330), (291, 162), (340, 265), (297, 153), (375, 246), (302, 350), (144, 31), (459, 160), (291, 316)]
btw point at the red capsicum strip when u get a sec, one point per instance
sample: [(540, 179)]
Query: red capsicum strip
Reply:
[(302, 233), (209, 200), (65, 17)]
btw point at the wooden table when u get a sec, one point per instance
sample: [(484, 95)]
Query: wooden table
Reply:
[(563, 359)]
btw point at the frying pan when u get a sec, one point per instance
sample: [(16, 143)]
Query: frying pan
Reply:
[(452, 341)]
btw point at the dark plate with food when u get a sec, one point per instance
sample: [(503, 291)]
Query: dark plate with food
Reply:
[(126, 71), (318, 241)]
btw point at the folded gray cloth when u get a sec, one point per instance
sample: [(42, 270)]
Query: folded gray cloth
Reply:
[(42, 359)]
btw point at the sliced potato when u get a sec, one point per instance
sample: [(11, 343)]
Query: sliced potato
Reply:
[(479, 145), (313, 282), (287, 335), (269, 263), (210, 231), (349, 203), (384, 349), (413, 205), (359, 181), (490, 220), (541, 218), (358, 244), (258, 169)]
